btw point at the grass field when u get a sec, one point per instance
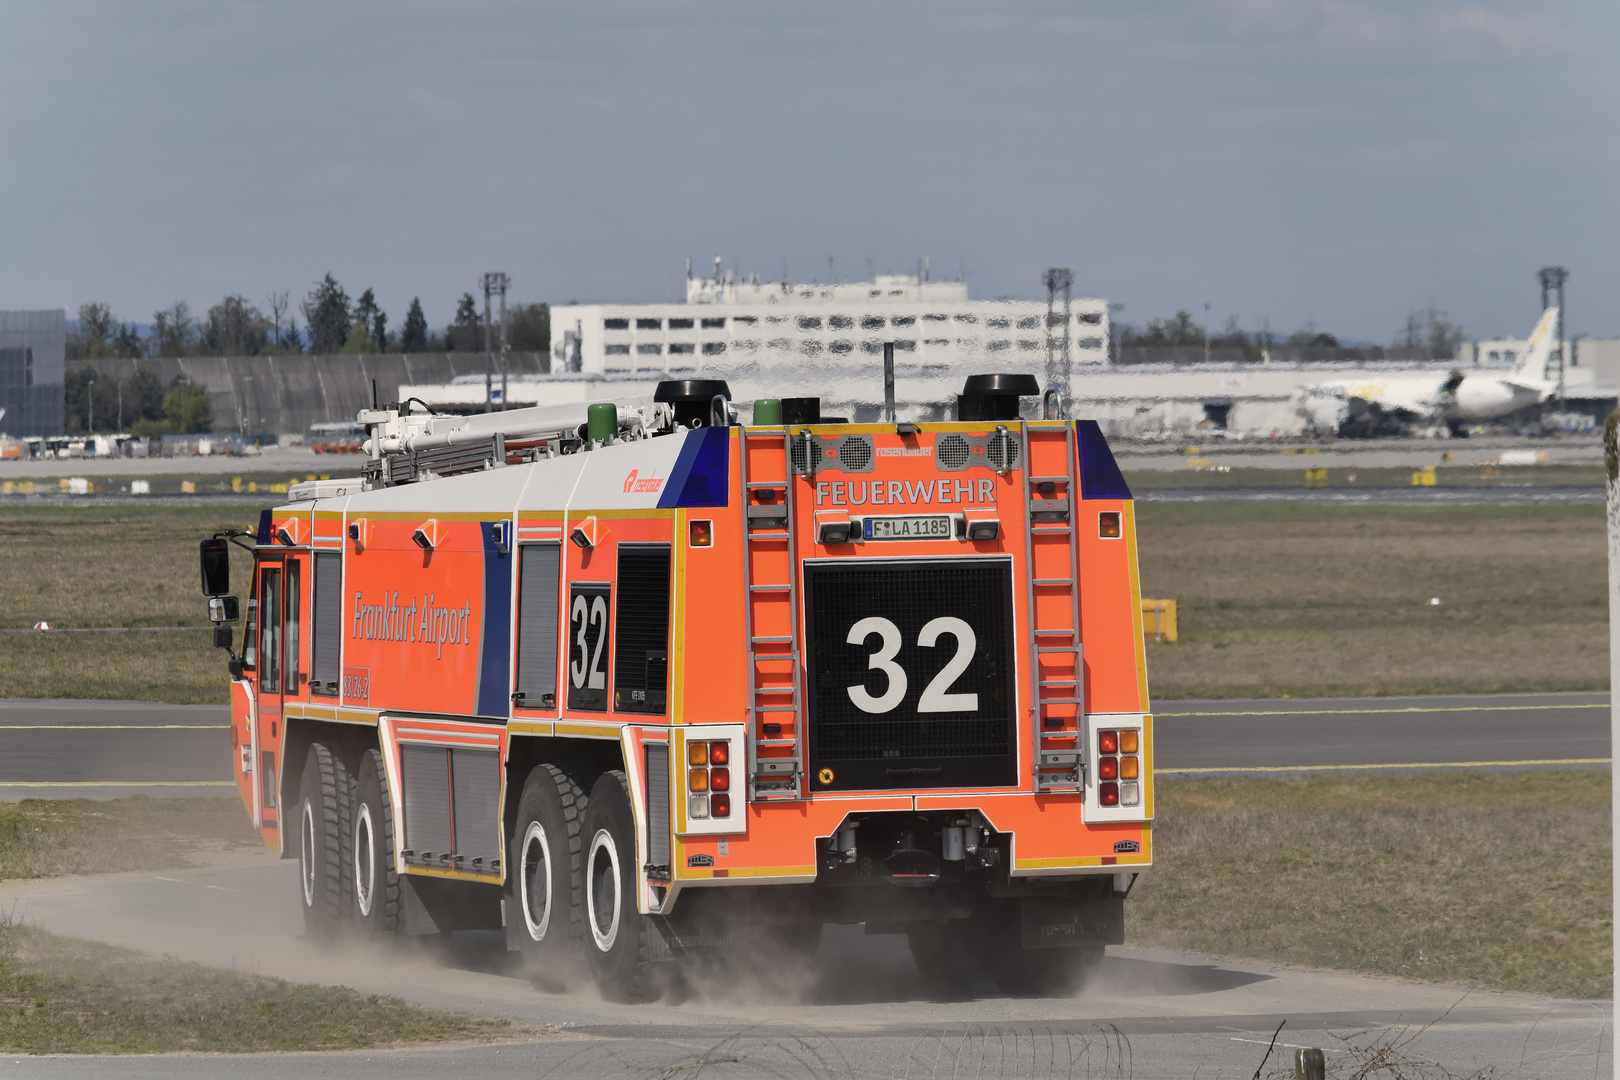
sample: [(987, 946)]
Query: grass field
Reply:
[(1302, 599), (52, 837), (1497, 879), (1275, 598), (61, 995), (115, 566)]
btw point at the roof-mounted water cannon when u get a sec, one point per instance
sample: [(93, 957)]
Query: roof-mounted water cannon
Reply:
[(406, 446), (994, 397)]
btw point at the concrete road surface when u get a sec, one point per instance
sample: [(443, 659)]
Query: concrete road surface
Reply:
[(1378, 734), (65, 749), (858, 1010), (111, 749)]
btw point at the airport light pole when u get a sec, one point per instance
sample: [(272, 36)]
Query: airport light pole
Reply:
[(494, 283)]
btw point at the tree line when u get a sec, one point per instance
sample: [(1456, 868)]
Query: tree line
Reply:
[(1425, 329), (141, 405), (333, 323)]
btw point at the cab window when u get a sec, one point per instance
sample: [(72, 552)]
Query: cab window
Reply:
[(270, 629), (294, 606)]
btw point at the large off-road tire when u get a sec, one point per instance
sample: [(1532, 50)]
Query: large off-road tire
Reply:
[(545, 902), (1052, 972), (951, 957), (615, 938), (376, 887), (323, 819)]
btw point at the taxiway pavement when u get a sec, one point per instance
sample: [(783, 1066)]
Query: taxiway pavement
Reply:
[(112, 749)]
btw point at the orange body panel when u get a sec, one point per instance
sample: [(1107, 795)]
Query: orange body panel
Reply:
[(709, 600)]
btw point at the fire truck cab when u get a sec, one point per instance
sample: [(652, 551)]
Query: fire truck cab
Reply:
[(647, 683)]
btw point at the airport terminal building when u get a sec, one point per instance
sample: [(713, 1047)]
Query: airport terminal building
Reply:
[(779, 339)]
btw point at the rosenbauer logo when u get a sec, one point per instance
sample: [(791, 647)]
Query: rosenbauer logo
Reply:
[(635, 482)]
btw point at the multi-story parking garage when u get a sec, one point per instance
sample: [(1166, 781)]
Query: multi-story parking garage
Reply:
[(32, 347)]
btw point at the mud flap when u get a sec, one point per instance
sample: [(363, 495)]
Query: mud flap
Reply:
[(1056, 922)]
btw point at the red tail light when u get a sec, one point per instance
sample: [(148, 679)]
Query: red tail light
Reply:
[(719, 779), (1108, 794), (720, 805), (719, 753), (1108, 742), (1108, 768)]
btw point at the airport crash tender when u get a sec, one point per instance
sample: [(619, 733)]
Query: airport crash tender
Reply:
[(647, 684)]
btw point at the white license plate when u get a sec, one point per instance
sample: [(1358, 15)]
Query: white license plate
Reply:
[(921, 527)]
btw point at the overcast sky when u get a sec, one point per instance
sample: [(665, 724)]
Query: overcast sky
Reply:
[(1340, 161)]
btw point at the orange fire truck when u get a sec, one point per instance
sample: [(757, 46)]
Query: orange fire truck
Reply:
[(643, 683)]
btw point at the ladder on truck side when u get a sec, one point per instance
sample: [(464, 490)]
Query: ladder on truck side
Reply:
[(1050, 492), (776, 748)]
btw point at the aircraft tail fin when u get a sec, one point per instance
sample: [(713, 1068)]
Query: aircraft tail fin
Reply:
[(1531, 366)]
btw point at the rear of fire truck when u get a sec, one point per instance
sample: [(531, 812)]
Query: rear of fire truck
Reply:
[(729, 684)]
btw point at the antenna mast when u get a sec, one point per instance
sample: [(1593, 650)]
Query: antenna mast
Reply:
[(1058, 278), (494, 283)]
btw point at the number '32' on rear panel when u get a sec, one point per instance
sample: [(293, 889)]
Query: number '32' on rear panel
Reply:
[(911, 673)]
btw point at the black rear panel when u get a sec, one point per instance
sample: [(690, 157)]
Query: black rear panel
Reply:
[(953, 724)]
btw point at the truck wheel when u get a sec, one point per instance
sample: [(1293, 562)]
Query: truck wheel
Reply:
[(949, 956), (323, 813), (376, 880), (1046, 971), (615, 935), (543, 907)]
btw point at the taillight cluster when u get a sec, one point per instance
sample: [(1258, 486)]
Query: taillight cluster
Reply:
[(708, 778), (1119, 769)]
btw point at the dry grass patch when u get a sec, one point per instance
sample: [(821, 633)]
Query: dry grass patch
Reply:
[(49, 838), (1275, 599), (181, 667), (1310, 600), (113, 566), (1498, 879), (61, 995)]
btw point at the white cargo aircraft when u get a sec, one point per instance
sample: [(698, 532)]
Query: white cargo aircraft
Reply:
[(1455, 399)]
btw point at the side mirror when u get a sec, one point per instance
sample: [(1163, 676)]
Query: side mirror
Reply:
[(215, 556), (223, 609), (222, 637), (236, 667)]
